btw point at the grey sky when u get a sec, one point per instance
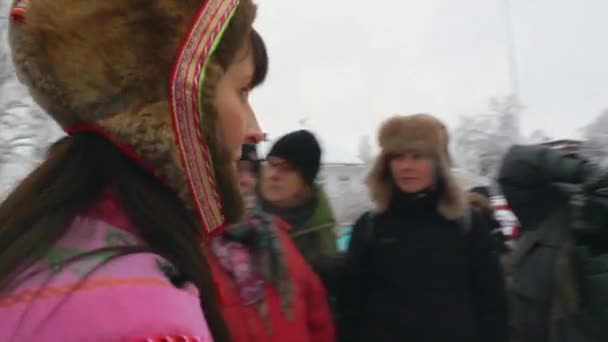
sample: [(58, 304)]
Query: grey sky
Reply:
[(348, 64)]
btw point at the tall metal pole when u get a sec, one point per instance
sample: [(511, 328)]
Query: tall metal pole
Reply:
[(511, 50)]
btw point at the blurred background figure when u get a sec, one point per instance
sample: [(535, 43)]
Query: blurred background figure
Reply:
[(268, 291), (289, 191), (559, 280)]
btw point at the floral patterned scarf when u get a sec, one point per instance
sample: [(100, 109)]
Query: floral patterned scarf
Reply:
[(252, 254)]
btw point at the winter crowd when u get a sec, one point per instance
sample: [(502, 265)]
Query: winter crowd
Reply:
[(154, 219)]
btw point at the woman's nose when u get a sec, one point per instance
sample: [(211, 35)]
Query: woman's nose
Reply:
[(255, 137), (254, 133)]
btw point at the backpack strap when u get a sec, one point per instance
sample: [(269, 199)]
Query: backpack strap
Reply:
[(525, 245), (467, 221), (370, 223)]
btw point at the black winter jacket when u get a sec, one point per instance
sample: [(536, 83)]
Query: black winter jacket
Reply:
[(416, 276), (528, 179)]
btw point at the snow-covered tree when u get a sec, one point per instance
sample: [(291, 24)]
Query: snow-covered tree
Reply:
[(25, 130), (507, 111), (481, 140), (595, 146)]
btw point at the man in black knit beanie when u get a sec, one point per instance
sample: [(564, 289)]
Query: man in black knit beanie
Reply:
[(302, 150), (289, 191)]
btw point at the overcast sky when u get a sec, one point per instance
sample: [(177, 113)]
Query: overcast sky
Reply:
[(347, 64)]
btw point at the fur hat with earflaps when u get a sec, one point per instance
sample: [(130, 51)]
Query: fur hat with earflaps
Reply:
[(142, 74), (423, 133)]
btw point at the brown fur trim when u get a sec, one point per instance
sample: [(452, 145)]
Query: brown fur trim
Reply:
[(413, 132), (154, 140), (378, 183), (109, 63), (480, 202), (224, 166), (419, 132), (86, 60)]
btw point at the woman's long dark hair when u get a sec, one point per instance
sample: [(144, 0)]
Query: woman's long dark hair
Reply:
[(78, 169)]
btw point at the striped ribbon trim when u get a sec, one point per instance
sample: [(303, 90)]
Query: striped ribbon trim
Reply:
[(186, 112), (39, 294), (169, 338)]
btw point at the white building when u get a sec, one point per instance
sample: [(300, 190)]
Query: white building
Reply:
[(337, 177), (344, 184)]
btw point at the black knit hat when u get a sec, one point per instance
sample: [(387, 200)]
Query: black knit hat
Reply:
[(301, 149), (249, 153)]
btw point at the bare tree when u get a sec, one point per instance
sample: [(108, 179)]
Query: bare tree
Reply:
[(475, 143), (507, 111), (595, 146), (481, 140)]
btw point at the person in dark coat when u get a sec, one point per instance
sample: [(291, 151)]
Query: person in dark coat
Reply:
[(553, 298), (421, 268), (289, 191)]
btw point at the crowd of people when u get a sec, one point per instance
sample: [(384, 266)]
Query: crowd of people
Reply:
[(155, 218)]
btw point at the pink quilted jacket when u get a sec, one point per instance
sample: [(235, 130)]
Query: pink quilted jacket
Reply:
[(126, 299)]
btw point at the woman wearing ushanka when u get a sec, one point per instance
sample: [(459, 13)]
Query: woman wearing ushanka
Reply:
[(102, 242)]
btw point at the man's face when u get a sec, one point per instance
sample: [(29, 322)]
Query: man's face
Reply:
[(281, 182), (247, 177)]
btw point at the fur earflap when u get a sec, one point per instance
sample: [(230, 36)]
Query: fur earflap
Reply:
[(83, 61), (108, 63), (423, 133)]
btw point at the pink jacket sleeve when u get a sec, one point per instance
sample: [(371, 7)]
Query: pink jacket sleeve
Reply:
[(122, 301)]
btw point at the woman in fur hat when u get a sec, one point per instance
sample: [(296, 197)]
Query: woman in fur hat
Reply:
[(102, 242), (421, 268), (268, 292)]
